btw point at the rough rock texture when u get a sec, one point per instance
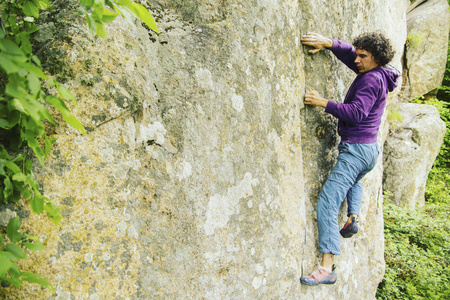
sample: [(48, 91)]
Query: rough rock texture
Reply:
[(408, 158), (428, 24), (199, 174), (409, 153)]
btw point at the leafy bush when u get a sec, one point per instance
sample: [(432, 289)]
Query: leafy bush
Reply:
[(12, 249), (443, 159), (417, 253)]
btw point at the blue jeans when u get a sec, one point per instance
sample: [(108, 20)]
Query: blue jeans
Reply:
[(353, 162)]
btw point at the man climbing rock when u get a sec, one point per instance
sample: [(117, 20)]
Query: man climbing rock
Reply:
[(359, 118)]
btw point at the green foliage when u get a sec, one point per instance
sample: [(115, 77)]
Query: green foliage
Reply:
[(438, 186), (23, 107), (24, 114), (417, 253), (97, 14), (14, 248), (443, 159)]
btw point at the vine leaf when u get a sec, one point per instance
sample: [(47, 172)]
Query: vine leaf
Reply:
[(68, 117), (52, 211), (34, 246), (36, 278), (12, 230), (145, 16), (5, 263), (30, 9), (37, 204), (16, 251)]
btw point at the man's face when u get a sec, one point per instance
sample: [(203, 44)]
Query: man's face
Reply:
[(365, 61)]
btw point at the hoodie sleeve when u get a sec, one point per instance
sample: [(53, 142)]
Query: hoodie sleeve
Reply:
[(345, 53), (360, 105)]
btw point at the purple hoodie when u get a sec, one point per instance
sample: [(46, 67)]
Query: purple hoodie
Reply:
[(360, 114)]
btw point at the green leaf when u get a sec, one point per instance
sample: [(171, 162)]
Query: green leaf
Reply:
[(31, 68), (16, 251), (8, 118), (36, 60), (20, 177), (66, 94), (15, 104), (12, 230), (7, 64), (49, 141), (87, 3), (8, 189), (97, 13), (101, 30), (25, 44), (34, 109), (34, 84), (5, 263), (108, 16), (11, 165), (14, 279), (34, 247), (9, 256), (37, 204), (5, 124), (14, 88), (29, 168), (3, 154), (35, 278), (11, 48), (43, 4), (26, 194), (142, 13), (34, 145), (52, 211), (30, 9), (68, 117), (126, 3), (91, 24), (126, 13)]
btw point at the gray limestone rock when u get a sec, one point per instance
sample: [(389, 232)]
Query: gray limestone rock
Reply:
[(426, 48), (409, 153)]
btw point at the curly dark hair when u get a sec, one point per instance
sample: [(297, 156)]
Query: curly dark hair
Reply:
[(377, 44)]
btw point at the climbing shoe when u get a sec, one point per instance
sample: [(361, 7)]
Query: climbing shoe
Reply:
[(320, 276), (350, 229)]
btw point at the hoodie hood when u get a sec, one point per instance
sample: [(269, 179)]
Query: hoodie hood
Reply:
[(391, 74)]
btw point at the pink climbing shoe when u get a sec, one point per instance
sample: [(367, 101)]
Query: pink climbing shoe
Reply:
[(320, 276)]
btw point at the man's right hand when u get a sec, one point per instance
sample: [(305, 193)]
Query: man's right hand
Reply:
[(317, 41), (314, 98)]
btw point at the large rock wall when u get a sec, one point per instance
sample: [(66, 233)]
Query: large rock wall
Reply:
[(199, 174)]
